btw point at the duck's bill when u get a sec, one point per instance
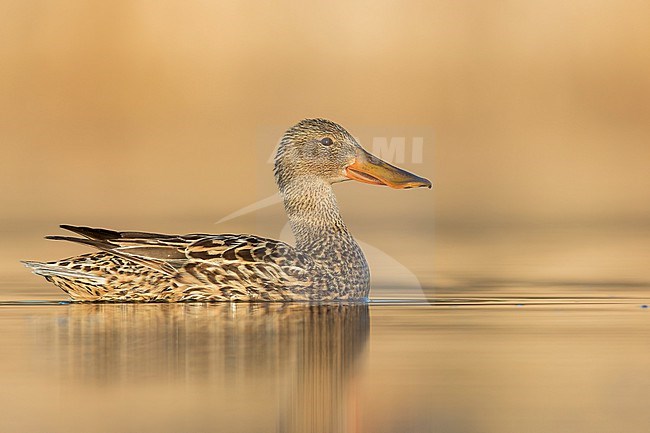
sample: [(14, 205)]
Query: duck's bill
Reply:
[(368, 168)]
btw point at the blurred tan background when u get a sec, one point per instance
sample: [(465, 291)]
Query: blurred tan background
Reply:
[(147, 114)]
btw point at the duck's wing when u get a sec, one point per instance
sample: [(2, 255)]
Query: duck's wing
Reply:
[(156, 251), (210, 259)]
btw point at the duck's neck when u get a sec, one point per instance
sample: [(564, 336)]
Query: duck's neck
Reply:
[(314, 216), (341, 269)]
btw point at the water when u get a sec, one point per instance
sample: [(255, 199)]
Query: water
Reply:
[(492, 344), (456, 365)]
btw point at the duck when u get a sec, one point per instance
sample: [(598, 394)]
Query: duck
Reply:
[(325, 264)]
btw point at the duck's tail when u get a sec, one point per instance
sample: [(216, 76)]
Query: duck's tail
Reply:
[(49, 270)]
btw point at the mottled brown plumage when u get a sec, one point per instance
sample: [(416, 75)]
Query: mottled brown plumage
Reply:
[(325, 264)]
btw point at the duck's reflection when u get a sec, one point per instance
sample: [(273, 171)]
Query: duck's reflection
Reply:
[(310, 351)]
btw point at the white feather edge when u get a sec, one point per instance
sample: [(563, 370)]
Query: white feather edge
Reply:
[(53, 270)]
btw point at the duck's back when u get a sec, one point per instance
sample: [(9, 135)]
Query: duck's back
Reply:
[(151, 267)]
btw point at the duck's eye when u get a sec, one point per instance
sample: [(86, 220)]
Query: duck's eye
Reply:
[(326, 141)]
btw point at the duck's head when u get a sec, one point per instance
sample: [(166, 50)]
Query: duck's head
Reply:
[(322, 149)]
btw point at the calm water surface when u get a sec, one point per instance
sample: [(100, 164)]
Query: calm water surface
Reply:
[(457, 365), (491, 349)]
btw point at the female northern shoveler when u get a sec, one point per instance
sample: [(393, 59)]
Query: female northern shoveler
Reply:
[(325, 264)]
